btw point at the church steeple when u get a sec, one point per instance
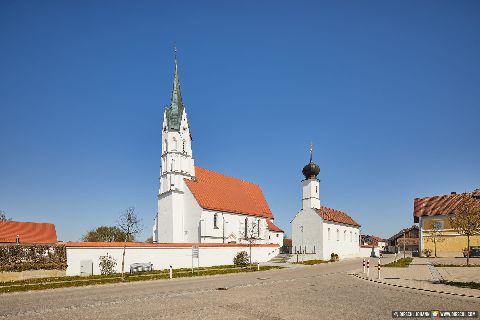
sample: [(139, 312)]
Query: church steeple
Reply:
[(177, 165), (311, 185), (175, 110), (176, 93)]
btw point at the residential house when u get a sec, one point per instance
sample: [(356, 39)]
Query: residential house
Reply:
[(432, 215), (27, 233)]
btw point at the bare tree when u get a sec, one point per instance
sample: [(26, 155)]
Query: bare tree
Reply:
[(129, 223), (3, 216), (435, 236), (251, 235), (466, 219)]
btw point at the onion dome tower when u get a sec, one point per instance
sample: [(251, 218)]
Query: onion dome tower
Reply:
[(311, 185)]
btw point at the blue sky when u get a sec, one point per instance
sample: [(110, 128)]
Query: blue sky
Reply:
[(387, 91)]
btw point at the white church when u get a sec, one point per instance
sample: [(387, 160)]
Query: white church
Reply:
[(319, 231), (196, 205)]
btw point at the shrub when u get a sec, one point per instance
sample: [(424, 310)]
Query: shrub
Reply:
[(241, 259), (333, 257), (107, 264), (427, 252)]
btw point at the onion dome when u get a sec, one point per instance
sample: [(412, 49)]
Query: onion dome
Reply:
[(311, 170)]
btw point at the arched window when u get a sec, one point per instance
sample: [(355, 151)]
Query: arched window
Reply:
[(351, 236), (172, 165), (328, 232), (175, 146), (316, 189), (165, 145), (258, 228), (246, 228), (215, 218), (183, 145), (338, 235)]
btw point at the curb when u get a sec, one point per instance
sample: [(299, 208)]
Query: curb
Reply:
[(413, 288)]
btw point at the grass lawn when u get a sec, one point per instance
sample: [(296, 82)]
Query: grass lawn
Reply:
[(471, 285), (310, 262), (400, 263), (76, 281)]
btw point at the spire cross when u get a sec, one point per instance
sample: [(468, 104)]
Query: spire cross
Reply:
[(175, 52), (311, 149)]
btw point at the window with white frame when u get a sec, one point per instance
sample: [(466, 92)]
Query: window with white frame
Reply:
[(246, 228), (258, 228), (338, 235), (438, 225), (328, 232)]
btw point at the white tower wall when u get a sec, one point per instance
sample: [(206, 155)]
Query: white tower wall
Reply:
[(311, 194)]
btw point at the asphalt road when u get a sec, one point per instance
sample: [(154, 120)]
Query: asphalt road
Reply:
[(311, 292)]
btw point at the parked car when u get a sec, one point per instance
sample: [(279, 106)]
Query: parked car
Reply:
[(474, 252), (415, 252)]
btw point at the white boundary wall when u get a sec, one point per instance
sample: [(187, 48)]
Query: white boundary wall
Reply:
[(162, 257)]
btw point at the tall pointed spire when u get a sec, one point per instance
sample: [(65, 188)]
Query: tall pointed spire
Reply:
[(177, 102), (175, 110)]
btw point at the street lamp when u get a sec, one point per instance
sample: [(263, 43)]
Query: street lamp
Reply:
[(224, 222), (301, 228), (201, 229)]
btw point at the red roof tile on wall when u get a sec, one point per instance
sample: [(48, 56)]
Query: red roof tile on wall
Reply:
[(329, 214), (272, 227), (215, 191), (159, 245), (29, 232), (437, 205)]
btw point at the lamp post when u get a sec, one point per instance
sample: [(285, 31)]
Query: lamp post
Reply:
[(301, 248), (224, 222), (201, 230)]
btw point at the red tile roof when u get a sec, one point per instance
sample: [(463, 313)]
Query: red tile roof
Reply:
[(159, 245), (215, 191), (437, 205), (329, 214), (272, 227), (29, 232)]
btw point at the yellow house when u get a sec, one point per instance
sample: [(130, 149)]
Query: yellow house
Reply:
[(432, 214)]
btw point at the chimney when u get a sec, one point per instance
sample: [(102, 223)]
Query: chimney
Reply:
[(453, 192)]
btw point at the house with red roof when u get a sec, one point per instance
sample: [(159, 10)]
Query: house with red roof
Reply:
[(433, 217), (318, 230), (27, 232), (197, 205)]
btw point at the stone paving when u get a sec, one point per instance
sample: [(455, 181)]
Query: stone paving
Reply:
[(325, 291), (422, 275), (453, 260)]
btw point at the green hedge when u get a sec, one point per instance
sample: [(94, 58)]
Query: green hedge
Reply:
[(20, 257)]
